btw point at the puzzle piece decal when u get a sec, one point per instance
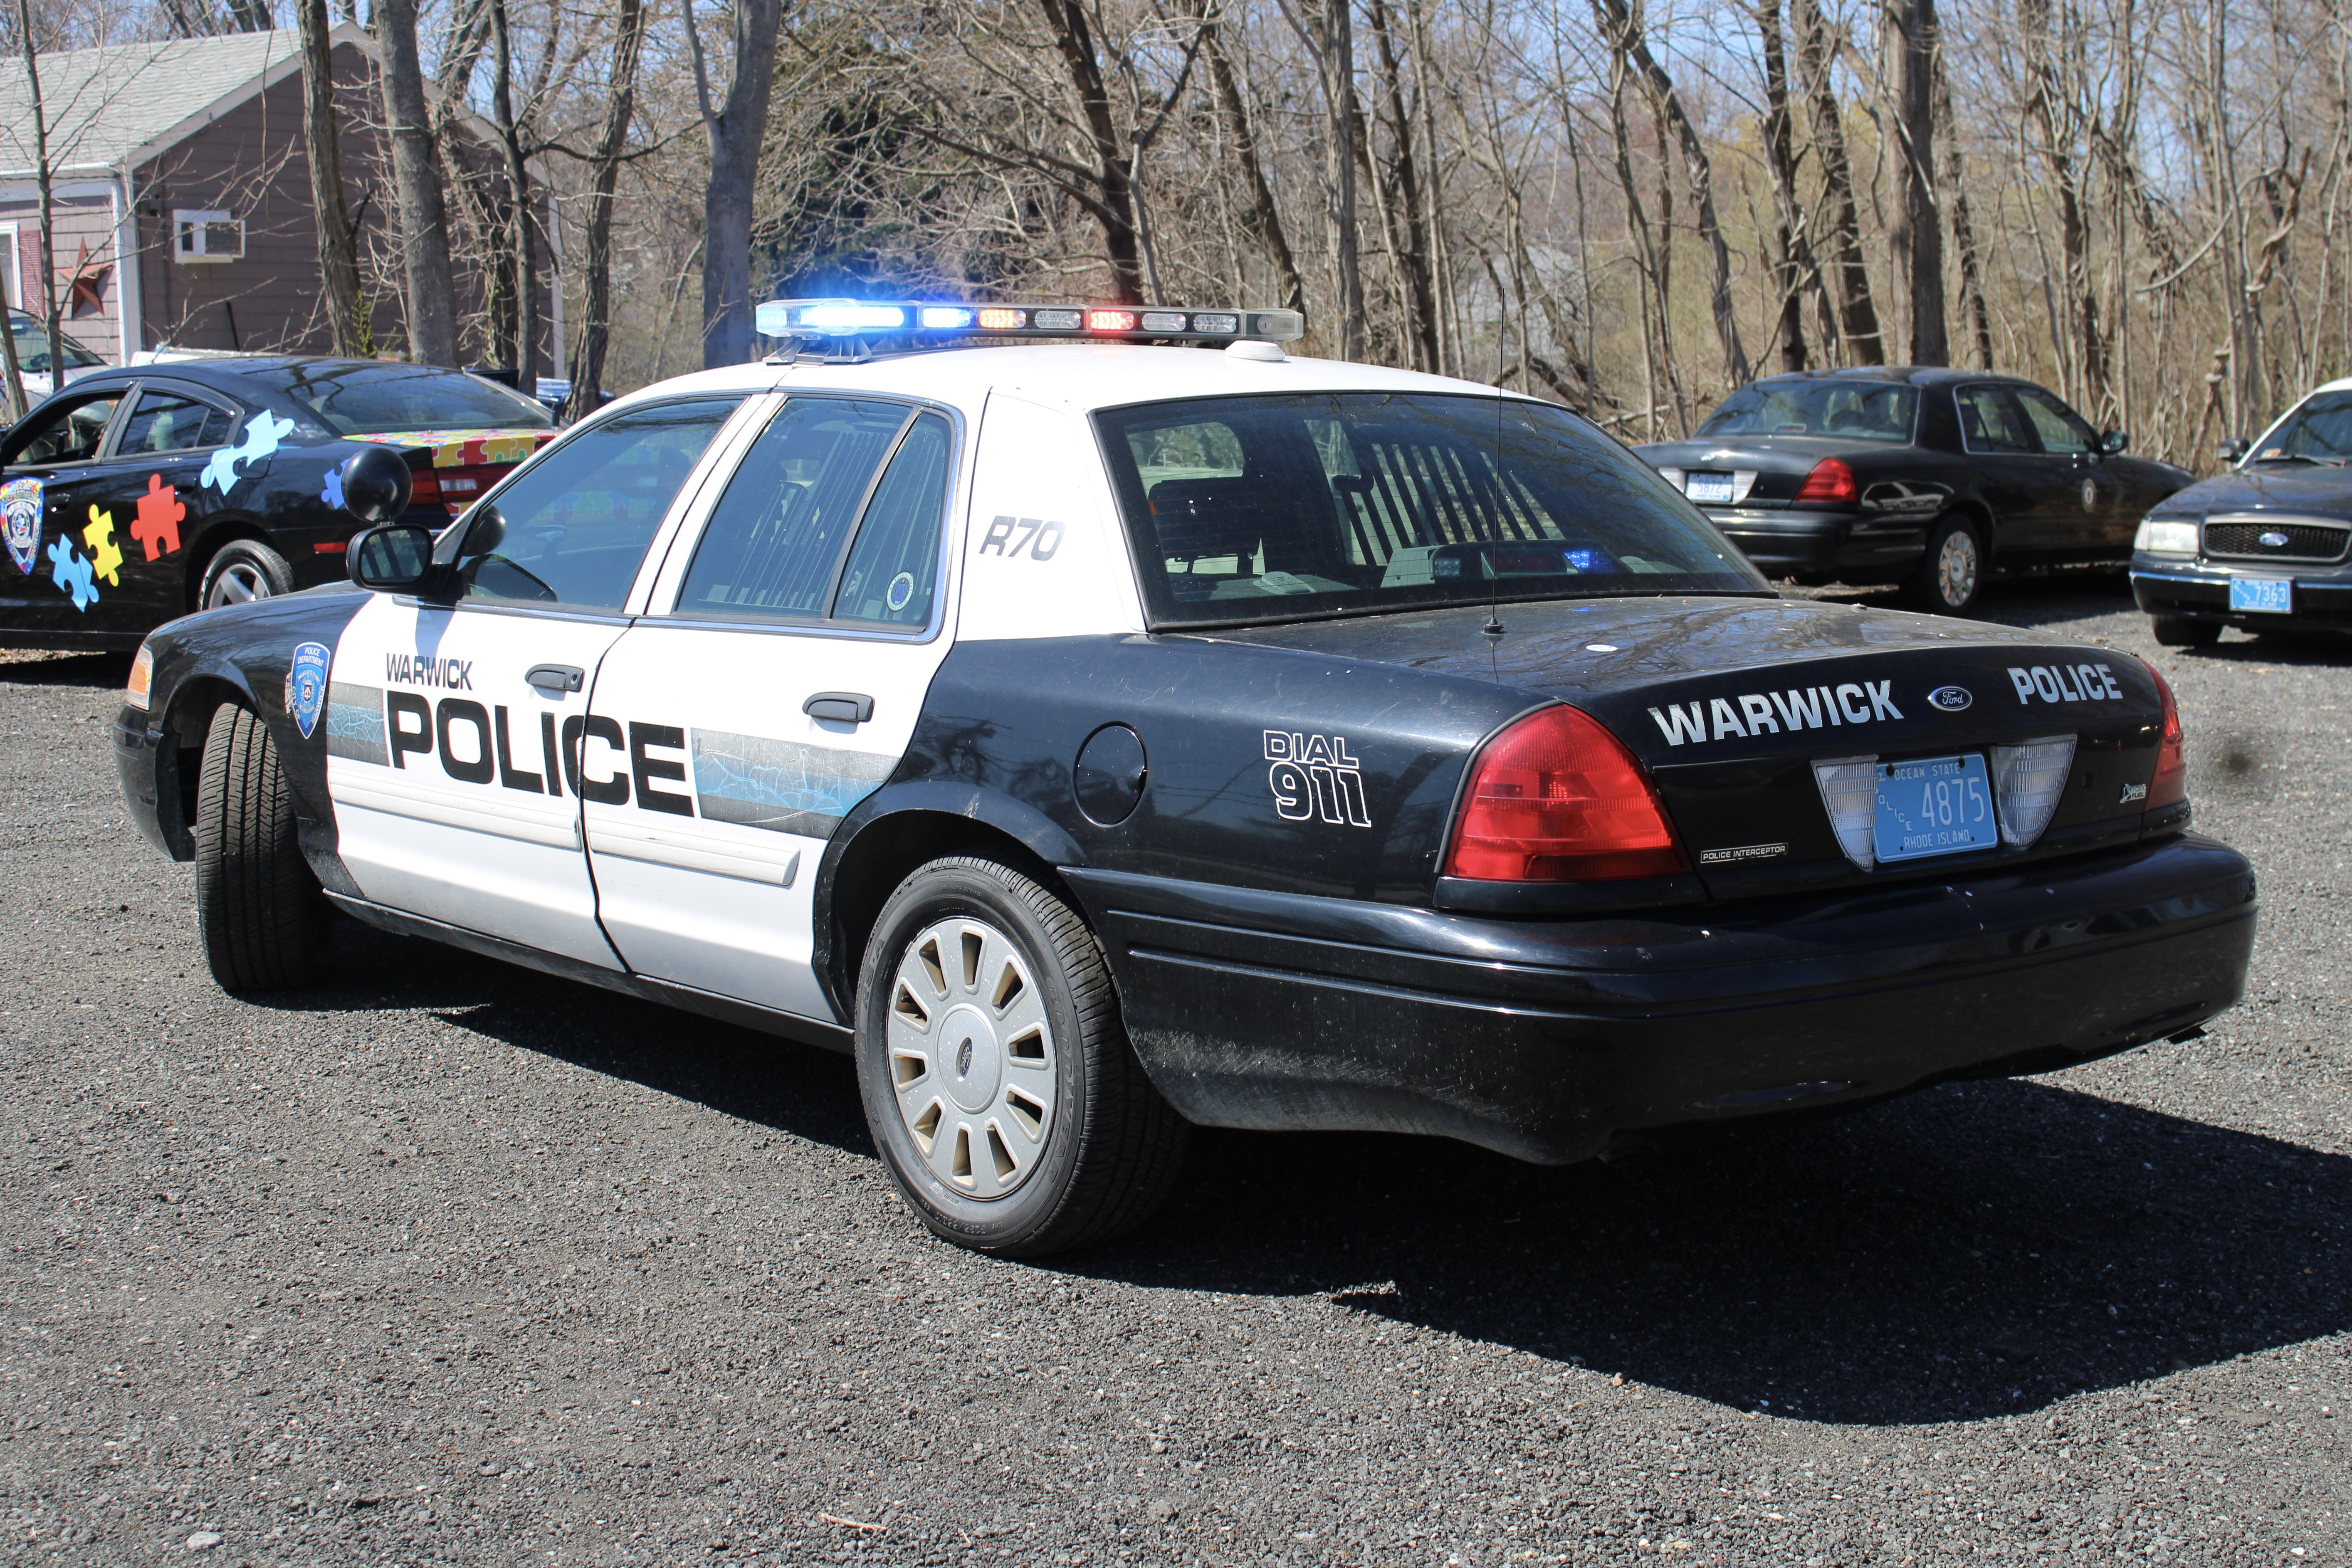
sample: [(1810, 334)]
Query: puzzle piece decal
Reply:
[(106, 556), (263, 433), (73, 573), (333, 492), (161, 512)]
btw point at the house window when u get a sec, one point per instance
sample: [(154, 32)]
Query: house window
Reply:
[(199, 237)]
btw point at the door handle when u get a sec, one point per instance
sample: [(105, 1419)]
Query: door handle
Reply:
[(841, 707), (553, 679)]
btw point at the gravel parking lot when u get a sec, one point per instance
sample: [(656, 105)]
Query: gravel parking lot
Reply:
[(454, 1262)]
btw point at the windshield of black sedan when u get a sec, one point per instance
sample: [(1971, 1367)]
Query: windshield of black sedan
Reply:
[(377, 399), (1842, 410), (1254, 509), (2318, 432)]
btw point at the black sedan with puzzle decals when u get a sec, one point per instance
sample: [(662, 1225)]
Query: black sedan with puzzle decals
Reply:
[(136, 495), (1300, 745)]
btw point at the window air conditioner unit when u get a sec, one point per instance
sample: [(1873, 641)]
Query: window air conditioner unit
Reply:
[(200, 237)]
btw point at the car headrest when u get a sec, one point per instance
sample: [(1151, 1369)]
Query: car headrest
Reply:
[(1209, 518)]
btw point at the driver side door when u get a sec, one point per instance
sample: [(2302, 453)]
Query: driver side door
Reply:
[(58, 577), (459, 742)]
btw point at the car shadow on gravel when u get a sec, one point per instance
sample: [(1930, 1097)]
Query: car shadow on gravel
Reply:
[(1978, 1250), (95, 670)]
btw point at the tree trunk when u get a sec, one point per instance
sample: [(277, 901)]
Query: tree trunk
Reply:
[(1261, 218), (339, 262), (1414, 250), (1849, 278), (416, 178), (1625, 31), (1792, 259), (52, 321), (1914, 36), (523, 253), (596, 307), (1335, 55), (736, 131), (1114, 165), (1964, 234), (2052, 117)]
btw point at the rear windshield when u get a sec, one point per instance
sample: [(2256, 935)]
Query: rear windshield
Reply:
[(1847, 410), (1277, 508), (373, 399)]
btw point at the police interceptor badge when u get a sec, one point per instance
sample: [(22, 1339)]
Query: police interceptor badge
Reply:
[(306, 685)]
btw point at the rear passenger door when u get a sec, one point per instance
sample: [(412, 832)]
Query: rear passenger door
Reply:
[(459, 744), (775, 684), (148, 491)]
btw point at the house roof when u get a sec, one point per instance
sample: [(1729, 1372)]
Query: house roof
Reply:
[(127, 102)]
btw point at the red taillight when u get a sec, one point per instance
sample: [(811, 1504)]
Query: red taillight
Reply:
[(2170, 784), (461, 487), (424, 488), (1557, 798), (1830, 484)]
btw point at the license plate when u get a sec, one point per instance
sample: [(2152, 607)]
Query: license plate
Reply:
[(2265, 596), (1934, 806), (1709, 489)]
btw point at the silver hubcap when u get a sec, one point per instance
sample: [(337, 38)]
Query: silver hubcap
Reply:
[(972, 1057), (1956, 567), (238, 583)]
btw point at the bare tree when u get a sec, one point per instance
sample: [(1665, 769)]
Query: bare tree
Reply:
[(431, 293), (596, 315), (735, 127), (338, 267), (522, 253), (1849, 275)]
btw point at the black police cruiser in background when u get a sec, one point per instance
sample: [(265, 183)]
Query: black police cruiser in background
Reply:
[(2266, 547), (1924, 477), (137, 494), (1099, 739)]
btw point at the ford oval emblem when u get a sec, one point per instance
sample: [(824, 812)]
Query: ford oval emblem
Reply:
[(1950, 699), (2271, 539)]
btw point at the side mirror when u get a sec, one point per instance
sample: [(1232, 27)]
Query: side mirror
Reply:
[(393, 558), (2231, 450), (2113, 442), (374, 485)]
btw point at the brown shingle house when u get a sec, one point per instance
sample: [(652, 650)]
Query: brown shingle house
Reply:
[(183, 200)]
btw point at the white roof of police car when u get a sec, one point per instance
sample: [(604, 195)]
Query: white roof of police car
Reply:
[(1079, 376)]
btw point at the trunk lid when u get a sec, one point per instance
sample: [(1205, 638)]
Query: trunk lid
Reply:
[(1729, 702)]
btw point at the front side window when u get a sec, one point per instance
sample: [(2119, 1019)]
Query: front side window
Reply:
[(1847, 410), (1262, 507), (1989, 420), (164, 421), (2320, 431), (2062, 429), (68, 436), (776, 535), (573, 526)]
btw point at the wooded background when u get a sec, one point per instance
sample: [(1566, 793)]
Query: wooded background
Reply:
[(1629, 208)]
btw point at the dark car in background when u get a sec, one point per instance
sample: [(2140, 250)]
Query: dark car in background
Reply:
[(1929, 478), (140, 493), (2265, 546)]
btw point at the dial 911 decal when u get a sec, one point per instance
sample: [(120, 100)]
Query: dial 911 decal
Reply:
[(1313, 776)]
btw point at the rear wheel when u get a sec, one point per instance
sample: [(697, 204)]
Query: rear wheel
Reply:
[(1951, 576), (241, 571), (264, 920), (997, 1078), (2180, 631)]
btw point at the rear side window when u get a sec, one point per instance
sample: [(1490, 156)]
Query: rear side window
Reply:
[(776, 537), (167, 422), (1254, 509), (572, 528), (894, 564)]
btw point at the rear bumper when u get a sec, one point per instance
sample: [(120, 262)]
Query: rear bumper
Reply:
[(2199, 591), (1848, 546), (1554, 1040)]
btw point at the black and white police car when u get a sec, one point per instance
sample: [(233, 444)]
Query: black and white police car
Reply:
[(1099, 739)]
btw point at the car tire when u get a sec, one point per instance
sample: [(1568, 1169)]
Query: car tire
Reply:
[(1951, 576), (1034, 1129), (2180, 631), (242, 570), (265, 922)]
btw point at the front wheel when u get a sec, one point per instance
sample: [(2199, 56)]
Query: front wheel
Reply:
[(1951, 577), (997, 1078), (265, 922)]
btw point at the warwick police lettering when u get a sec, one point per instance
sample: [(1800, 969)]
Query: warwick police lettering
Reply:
[(1769, 713), (2065, 683), (423, 669)]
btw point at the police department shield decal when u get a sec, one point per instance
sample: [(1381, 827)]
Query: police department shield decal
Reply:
[(306, 685), (20, 518)]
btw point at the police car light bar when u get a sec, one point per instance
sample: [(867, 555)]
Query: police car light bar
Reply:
[(861, 318)]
